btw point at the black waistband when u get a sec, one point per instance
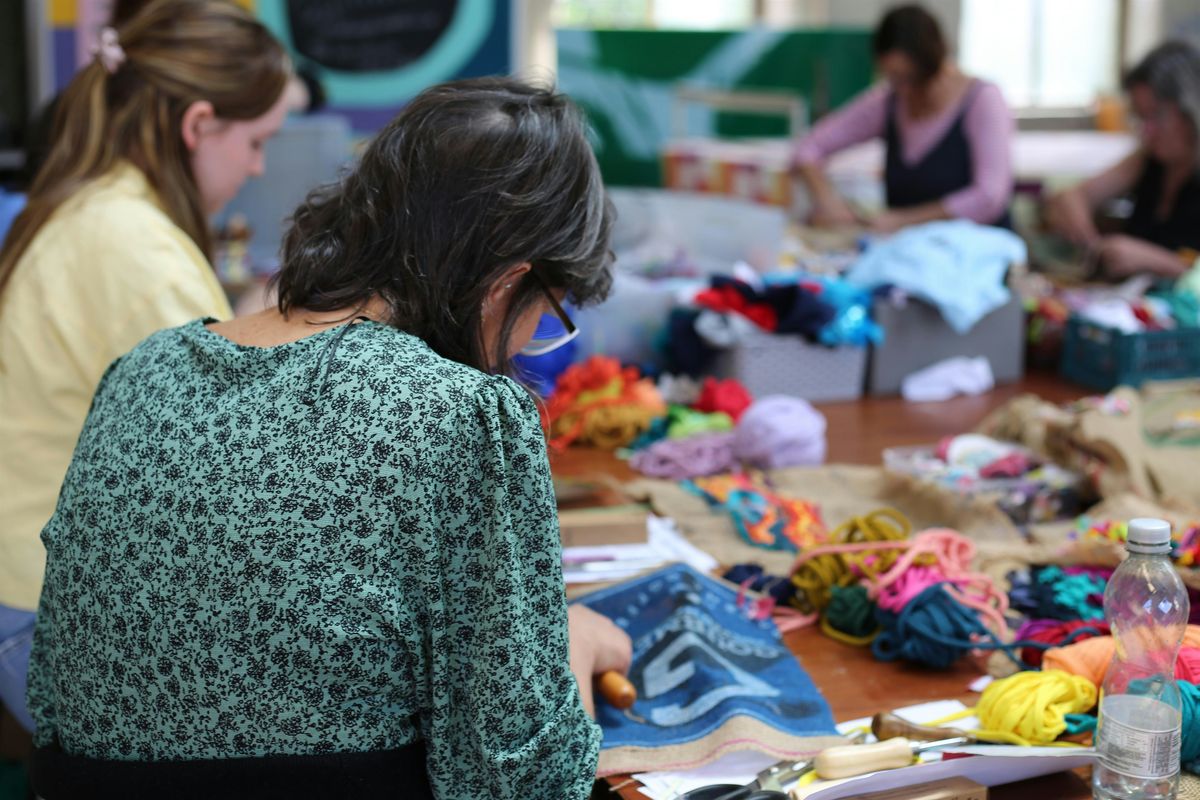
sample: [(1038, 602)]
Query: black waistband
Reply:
[(383, 773)]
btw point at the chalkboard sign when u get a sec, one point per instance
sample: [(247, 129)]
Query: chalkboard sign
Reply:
[(367, 35)]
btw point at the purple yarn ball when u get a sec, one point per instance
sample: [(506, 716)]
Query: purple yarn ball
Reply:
[(780, 431)]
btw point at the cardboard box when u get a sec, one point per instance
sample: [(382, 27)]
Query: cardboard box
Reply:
[(590, 527)]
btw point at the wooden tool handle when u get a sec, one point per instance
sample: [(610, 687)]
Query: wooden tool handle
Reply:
[(859, 759), (617, 690), (888, 726)]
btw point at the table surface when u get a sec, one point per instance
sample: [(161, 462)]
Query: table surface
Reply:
[(853, 682), (1037, 156), (856, 685)]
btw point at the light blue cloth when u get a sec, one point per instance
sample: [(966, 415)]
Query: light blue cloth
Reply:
[(957, 266), (16, 637)]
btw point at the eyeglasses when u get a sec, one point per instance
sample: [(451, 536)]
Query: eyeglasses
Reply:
[(551, 334)]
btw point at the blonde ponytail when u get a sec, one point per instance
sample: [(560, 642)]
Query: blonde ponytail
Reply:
[(176, 52)]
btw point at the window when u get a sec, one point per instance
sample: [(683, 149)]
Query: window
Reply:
[(670, 14), (1042, 53)]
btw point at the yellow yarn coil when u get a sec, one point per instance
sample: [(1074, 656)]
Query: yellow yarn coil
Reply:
[(815, 579), (1029, 708)]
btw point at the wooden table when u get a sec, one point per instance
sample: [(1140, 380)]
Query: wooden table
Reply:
[(853, 682), (856, 685)]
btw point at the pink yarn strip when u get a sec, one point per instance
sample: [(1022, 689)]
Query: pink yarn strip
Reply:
[(952, 553), (857, 547), (786, 619), (789, 619), (896, 595)]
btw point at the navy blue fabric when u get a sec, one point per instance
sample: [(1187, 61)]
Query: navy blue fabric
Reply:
[(58, 775), (698, 662), (1181, 227), (685, 352), (797, 309)]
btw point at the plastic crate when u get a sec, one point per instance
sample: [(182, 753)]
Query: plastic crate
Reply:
[(1101, 358), (769, 364)]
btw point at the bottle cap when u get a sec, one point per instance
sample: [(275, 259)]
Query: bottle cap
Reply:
[(1148, 536)]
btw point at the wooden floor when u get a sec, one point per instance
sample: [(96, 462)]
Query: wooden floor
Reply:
[(860, 431)]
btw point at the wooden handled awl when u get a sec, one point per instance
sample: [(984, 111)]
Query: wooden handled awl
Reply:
[(617, 690), (859, 759), (886, 725)]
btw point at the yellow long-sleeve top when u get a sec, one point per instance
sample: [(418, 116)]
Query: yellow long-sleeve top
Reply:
[(107, 269)]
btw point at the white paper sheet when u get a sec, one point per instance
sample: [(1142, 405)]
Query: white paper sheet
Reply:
[(1017, 764), (735, 768), (740, 768), (993, 764), (617, 562)]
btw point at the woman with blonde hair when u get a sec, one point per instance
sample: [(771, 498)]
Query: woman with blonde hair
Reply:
[(151, 140)]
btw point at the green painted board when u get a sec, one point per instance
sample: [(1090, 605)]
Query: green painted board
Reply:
[(625, 80)]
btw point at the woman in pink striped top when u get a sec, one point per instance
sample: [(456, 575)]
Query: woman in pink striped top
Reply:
[(948, 136)]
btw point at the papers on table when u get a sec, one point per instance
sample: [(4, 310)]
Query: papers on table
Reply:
[(606, 563), (736, 768), (991, 765)]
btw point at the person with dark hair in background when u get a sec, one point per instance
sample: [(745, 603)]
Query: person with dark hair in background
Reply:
[(154, 137), (1162, 235), (947, 135), (315, 551)]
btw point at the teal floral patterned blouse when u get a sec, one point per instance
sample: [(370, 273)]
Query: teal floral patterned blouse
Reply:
[(342, 544)]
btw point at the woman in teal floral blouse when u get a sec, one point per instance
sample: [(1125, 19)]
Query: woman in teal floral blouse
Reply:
[(314, 552)]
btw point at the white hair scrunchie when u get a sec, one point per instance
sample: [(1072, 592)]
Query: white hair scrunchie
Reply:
[(108, 50)]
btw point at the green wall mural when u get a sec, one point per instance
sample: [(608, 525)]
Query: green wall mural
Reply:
[(626, 80)]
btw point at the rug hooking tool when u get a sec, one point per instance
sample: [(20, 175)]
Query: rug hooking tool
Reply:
[(619, 693), (846, 761), (617, 690), (843, 761), (886, 725)]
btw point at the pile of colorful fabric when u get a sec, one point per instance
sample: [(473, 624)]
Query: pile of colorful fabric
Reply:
[(915, 597), (601, 403), (1026, 486), (679, 428), (1185, 542), (821, 309)]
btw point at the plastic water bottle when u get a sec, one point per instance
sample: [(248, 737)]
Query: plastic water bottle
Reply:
[(1139, 737)]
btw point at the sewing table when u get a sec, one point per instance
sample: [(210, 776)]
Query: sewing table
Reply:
[(852, 681)]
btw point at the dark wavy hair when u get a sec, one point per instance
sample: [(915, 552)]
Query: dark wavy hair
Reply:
[(472, 178), (913, 31)]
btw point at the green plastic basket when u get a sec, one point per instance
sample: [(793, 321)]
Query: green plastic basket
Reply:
[(1101, 357)]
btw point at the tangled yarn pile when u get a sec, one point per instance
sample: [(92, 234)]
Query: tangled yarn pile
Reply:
[(1185, 541), (601, 403), (915, 598), (761, 516)]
